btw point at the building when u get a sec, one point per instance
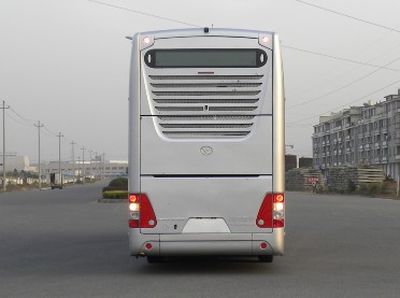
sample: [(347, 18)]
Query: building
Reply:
[(92, 168), (305, 162), (17, 162), (290, 162), (360, 135)]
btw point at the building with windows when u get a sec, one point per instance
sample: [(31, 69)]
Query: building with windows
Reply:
[(92, 168), (15, 163), (290, 162), (360, 135)]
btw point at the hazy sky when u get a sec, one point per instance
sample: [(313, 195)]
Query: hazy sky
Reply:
[(66, 63)]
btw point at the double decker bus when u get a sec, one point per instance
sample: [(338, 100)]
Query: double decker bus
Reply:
[(206, 144)]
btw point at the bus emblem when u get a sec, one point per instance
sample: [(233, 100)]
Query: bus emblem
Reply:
[(206, 150)]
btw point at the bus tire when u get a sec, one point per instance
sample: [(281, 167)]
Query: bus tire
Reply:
[(266, 258)]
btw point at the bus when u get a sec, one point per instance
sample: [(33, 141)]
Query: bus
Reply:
[(206, 144)]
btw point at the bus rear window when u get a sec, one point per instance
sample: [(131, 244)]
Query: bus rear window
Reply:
[(183, 58)]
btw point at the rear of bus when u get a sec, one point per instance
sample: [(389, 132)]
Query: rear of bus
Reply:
[(206, 144)]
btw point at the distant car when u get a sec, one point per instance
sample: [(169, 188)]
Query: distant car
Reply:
[(56, 181)]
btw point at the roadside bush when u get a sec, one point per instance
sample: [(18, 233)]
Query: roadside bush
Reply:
[(107, 188), (319, 188), (374, 189), (386, 188), (120, 182), (363, 188), (351, 186), (115, 194), (389, 187), (389, 179), (331, 189)]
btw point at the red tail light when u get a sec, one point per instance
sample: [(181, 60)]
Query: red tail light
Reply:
[(279, 223), (264, 217), (272, 211), (278, 210), (141, 212)]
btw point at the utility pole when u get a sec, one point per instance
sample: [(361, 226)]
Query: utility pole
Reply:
[(83, 163), (103, 165), (90, 162), (39, 126), (98, 169), (73, 160), (59, 136), (4, 108)]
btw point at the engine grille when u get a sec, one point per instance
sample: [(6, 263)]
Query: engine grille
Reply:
[(205, 106)]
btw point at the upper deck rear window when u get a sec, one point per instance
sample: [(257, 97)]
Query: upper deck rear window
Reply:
[(182, 58)]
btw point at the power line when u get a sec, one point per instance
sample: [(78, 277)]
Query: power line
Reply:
[(283, 45), (295, 48), (343, 86), (30, 121), (143, 13), (52, 133), (338, 58), (26, 121), (16, 120), (47, 133), (23, 121), (340, 75), (348, 103), (349, 16)]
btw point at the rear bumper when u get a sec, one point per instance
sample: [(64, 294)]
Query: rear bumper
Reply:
[(229, 244)]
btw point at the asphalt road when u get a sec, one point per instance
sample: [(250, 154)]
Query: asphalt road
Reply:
[(62, 243)]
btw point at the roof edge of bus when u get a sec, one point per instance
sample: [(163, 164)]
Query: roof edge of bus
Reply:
[(201, 32)]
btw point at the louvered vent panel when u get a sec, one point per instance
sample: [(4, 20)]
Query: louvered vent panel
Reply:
[(206, 106)]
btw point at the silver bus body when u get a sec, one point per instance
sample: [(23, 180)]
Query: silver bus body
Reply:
[(206, 144)]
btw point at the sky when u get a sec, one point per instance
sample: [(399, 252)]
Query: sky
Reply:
[(66, 63)]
